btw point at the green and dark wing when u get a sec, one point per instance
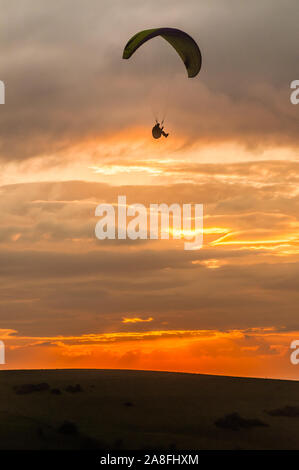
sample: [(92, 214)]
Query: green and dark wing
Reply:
[(184, 44)]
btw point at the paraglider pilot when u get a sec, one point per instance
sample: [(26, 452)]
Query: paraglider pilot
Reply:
[(181, 42), (158, 130)]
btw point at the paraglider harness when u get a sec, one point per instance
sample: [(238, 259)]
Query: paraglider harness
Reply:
[(158, 130)]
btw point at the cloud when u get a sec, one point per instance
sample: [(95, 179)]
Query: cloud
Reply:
[(67, 85), (75, 132), (137, 320), (56, 277)]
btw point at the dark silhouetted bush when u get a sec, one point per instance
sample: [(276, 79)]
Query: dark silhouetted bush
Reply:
[(68, 428), (235, 422)]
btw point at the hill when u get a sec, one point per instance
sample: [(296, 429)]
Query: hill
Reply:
[(121, 409)]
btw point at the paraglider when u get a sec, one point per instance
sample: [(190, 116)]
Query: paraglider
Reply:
[(184, 45), (158, 130)]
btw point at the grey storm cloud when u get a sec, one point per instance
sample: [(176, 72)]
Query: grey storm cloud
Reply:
[(66, 81)]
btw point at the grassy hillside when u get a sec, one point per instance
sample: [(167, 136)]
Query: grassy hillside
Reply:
[(133, 410)]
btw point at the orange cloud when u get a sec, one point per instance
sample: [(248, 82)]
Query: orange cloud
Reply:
[(137, 320)]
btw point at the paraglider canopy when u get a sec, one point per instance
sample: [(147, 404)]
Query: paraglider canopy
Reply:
[(184, 44)]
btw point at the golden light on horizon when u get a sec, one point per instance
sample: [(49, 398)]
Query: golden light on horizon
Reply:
[(174, 350), (137, 320)]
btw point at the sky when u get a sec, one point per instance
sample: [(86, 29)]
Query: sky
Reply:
[(75, 132)]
